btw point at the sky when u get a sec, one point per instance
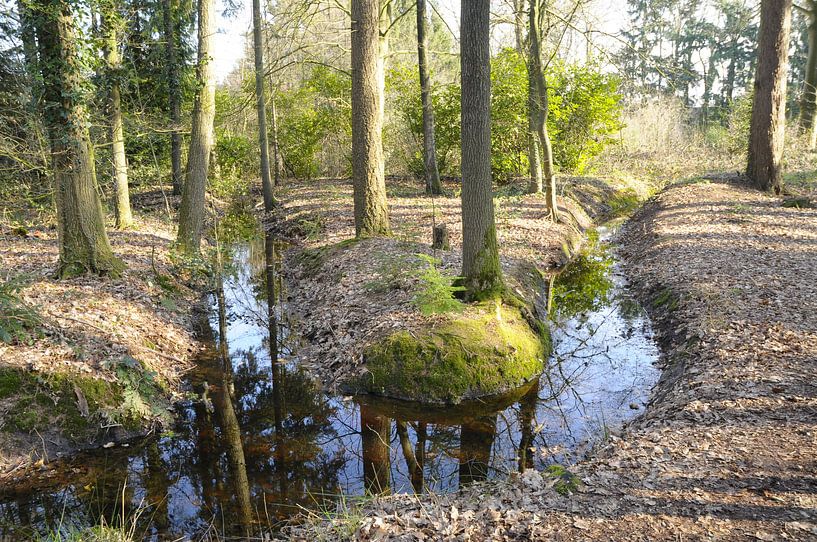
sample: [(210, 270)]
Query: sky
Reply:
[(611, 14)]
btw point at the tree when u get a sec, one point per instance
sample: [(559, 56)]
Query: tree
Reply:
[(808, 104), (767, 128), (540, 106), (371, 210), (482, 275), (84, 245), (172, 67), (111, 23), (191, 212), (429, 146), (261, 106)]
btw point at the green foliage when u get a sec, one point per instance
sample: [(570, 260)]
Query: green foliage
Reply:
[(740, 118), (19, 322), (313, 116), (585, 110), (509, 115), (566, 482), (437, 291), (403, 83)]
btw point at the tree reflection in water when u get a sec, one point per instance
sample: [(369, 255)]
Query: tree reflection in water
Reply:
[(264, 441)]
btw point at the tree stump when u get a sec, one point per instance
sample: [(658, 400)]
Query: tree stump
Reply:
[(441, 238)]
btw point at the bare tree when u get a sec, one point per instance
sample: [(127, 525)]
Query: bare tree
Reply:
[(261, 106), (808, 103), (172, 69), (767, 129), (482, 275), (429, 146)]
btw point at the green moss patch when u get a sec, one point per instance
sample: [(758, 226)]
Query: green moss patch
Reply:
[(487, 349)]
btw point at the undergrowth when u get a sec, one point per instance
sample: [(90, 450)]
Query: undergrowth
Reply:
[(19, 323)]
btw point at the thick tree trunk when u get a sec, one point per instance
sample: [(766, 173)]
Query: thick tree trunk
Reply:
[(541, 111), (110, 22), (174, 94), (480, 251), (371, 209), (767, 129), (80, 223), (191, 212), (261, 106), (429, 146), (808, 105)]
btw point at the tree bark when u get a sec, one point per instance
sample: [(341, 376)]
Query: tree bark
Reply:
[(276, 152), (482, 275), (767, 129), (261, 107), (191, 212), (111, 22), (541, 111), (371, 210), (83, 241), (808, 105), (429, 146), (174, 93)]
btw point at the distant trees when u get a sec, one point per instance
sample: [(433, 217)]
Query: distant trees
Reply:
[(83, 241), (482, 274), (808, 101), (191, 211), (432, 173), (767, 130), (170, 17), (371, 209)]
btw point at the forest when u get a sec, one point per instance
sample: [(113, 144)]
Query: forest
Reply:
[(408, 270)]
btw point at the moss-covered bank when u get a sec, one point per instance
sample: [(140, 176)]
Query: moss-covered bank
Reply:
[(487, 349)]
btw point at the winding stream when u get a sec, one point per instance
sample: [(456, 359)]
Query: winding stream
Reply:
[(241, 462)]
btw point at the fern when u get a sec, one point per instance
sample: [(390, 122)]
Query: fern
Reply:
[(437, 294)]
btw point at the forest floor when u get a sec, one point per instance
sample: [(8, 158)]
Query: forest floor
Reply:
[(726, 448), (94, 360), (349, 294)]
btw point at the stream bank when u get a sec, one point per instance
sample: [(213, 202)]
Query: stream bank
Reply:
[(723, 448)]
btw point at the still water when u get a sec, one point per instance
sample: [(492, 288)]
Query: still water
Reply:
[(259, 441)]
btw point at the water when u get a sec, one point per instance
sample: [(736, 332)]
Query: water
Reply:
[(244, 461)]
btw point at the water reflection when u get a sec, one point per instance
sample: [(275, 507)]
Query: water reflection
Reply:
[(260, 440)]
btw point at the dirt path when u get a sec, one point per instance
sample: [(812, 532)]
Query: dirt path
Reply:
[(726, 450)]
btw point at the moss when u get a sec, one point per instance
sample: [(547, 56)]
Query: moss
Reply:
[(488, 349), (10, 381), (665, 298), (624, 202), (566, 481)]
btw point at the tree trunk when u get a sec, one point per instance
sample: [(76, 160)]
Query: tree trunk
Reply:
[(480, 251), (429, 146), (110, 22), (80, 223), (476, 440), (808, 106), (191, 212), (174, 94), (371, 210), (541, 111), (276, 152), (375, 436), (767, 129), (534, 156), (261, 107)]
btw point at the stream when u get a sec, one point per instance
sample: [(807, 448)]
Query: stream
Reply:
[(261, 442)]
